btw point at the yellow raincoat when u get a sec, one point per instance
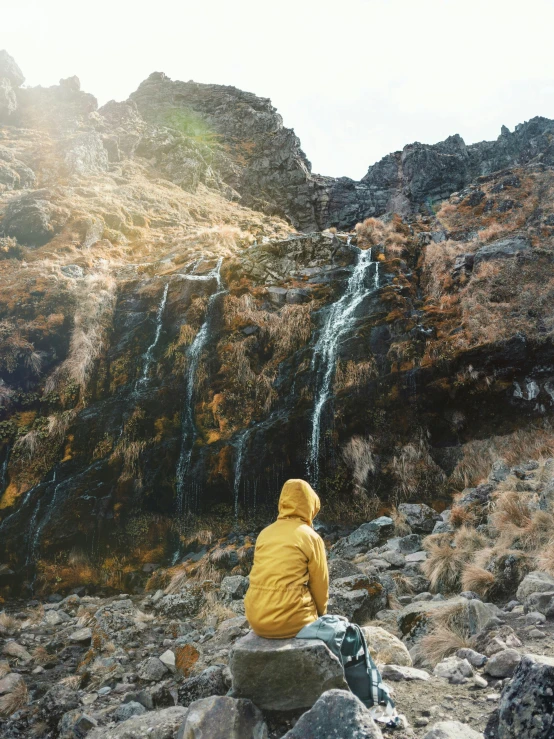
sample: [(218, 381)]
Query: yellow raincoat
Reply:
[(289, 582)]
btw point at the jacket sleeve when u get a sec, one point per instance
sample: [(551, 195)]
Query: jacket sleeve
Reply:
[(319, 576)]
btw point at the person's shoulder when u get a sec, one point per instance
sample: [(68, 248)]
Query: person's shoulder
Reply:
[(266, 532), (309, 532)]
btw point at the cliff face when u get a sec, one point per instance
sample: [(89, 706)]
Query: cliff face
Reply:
[(171, 349), (265, 164)]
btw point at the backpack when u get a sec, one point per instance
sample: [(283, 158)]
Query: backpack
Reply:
[(347, 642)]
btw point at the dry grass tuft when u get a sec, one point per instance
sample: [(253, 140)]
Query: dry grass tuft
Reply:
[(215, 607), (403, 584), (441, 642), (447, 557), (510, 510), (461, 516), (95, 297), (478, 455), (442, 566), (545, 558), (7, 622), (178, 580), (477, 579), (401, 525), (41, 656), (352, 375), (415, 472), (358, 455), (4, 669), (14, 701)]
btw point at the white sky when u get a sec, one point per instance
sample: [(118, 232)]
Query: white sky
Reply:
[(356, 79)]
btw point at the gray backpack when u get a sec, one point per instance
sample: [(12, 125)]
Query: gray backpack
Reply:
[(347, 642)]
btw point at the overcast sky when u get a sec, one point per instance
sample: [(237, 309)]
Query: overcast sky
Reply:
[(356, 79)]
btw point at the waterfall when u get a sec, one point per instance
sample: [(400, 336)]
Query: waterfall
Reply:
[(239, 458), (188, 428), (148, 357), (4, 471), (35, 532), (338, 322)]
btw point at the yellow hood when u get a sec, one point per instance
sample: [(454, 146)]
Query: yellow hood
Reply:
[(298, 500)]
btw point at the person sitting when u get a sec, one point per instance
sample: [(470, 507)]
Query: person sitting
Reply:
[(289, 591), (289, 581)]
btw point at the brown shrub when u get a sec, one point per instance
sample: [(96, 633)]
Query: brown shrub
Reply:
[(461, 516), (545, 558), (358, 455), (14, 701), (443, 565), (477, 579), (441, 642)]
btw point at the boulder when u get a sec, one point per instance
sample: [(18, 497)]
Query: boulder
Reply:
[(128, 710), (541, 602), (359, 598), (211, 681), (33, 219), (503, 664), (59, 699), (526, 708), (162, 724), (342, 568), (534, 582), (83, 724), (452, 730), (283, 674), (12, 681), (502, 249), (499, 471), (222, 717), (168, 659), (234, 587), (84, 154), (474, 658), (152, 669), (81, 636), (336, 714), (454, 669), (385, 648), (10, 70), (409, 544), (399, 672), (366, 537), (185, 604), (420, 518), (414, 619), (15, 650)]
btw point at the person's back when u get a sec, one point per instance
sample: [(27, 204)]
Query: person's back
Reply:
[(289, 582)]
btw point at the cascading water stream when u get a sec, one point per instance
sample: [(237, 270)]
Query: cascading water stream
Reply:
[(194, 353), (338, 322), (242, 441), (4, 471), (149, 355)]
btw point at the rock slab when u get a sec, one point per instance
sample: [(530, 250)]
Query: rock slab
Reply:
[(336, 714), (283, 674), (526, 705), (221, 717)]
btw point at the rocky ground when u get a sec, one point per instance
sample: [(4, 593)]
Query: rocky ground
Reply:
[(78, 664)]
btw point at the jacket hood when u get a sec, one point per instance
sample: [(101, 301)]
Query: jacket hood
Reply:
[(299, 500)]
